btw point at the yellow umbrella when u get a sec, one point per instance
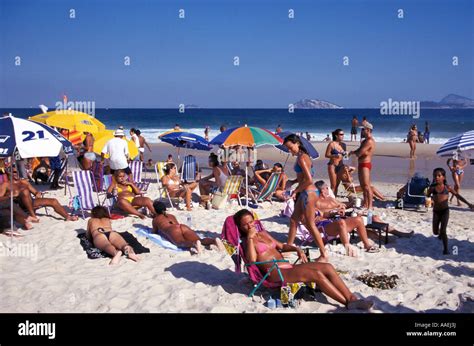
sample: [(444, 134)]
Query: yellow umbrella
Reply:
[(101, 138), (70, 120)]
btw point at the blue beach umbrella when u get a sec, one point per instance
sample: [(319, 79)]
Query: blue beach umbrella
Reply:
[(187, 140), (461, 144), (313, 153), (24, 138)]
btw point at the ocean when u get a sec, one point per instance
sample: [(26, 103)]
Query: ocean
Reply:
[(444, 123)]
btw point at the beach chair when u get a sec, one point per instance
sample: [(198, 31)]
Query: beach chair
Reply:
[(233, 244), (414, 195), (189, 169), (162, 191), (230, 190), (267, 190), (137, 169), (61, 172), (84, 191)]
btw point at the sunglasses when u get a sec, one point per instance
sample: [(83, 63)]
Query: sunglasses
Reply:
[(340, 134)]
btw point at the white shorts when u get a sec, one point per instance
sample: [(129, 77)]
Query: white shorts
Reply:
[(142, 150)]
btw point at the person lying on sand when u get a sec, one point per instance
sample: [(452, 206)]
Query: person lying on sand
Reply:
[(180, 235), (100, 233), (327, 203), (261, 247)]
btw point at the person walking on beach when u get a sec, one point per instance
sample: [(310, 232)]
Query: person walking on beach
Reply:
[(457, 171), (412, 138), (117, 148), (354, 124), (335, 152), (133, 134), (427, 133), (364, 154), (308, 136), (141, 145), (440, 191), (278, 129), (364, 121), (206, 133)]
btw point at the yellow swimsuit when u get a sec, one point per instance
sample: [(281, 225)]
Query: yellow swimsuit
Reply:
[(129, 189)]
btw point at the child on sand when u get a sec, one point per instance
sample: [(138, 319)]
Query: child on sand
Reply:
[(440, 190)]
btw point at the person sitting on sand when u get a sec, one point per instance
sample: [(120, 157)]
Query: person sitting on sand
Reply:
[(345, 177), (327, 203), (175, 187), (100, 233), (18, 214), (180, 235), (440, 190), (22, 194), (261, 247), (128, 195), (278, 169)]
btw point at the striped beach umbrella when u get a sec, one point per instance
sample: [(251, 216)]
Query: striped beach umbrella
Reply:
[(246, 136), (461, 144)]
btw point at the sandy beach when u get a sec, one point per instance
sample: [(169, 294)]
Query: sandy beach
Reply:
[(57, 276)]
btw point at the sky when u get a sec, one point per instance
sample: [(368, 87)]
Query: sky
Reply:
[(191, 61)]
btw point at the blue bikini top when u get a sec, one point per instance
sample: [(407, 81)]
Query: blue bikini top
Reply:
[(298, 168)]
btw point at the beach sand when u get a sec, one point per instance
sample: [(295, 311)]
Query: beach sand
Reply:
[(62, 279)]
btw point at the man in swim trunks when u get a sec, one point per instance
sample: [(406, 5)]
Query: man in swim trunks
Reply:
[(354, 124), (142, 142), (364, 154)]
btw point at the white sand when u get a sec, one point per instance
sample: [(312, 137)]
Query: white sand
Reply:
[(63, 279)]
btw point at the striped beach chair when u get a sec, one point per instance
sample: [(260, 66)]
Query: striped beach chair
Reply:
[(268, 189), (231, 188), (189, 169), (137, 169), (84, 190), (162, 191)]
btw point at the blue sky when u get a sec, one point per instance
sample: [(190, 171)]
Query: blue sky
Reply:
[(190, 60)]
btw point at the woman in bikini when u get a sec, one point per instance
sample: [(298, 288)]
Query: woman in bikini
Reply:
[(129, 195), (219, 173), (261, 247), (440, 191), (335, 152), (457, 172), (412, 138), (167, 226), (304, 194), (100, 233), (88, 152), (176, 188)]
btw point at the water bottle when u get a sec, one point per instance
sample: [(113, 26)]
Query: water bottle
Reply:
[(369, 217), (189, 221), (271, 303)]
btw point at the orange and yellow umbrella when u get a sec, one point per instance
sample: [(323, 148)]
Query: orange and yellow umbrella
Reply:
[(71, 120)]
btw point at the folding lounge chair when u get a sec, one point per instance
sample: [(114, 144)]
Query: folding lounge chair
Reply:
[(230, 234), (137, 169), (84, 186), (232, 188), (162, 191), (189, 169), (268, 189), (414, 196)]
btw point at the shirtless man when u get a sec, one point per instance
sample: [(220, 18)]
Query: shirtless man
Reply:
[(364, 154), (142, 142), (22, 191), (180, 235)]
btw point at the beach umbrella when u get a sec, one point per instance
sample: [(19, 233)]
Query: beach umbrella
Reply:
[(71, 120), (313, 153), (183, 139), (26, 139), (246, 136), (101, 138), (461, 144)]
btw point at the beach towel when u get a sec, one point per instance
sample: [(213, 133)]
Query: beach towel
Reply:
[(93, 252), (157, 239)]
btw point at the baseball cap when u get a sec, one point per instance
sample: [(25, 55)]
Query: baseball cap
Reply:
[(119, 132)]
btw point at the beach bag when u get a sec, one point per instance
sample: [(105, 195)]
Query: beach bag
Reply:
[(75, 203), (219, 200)]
